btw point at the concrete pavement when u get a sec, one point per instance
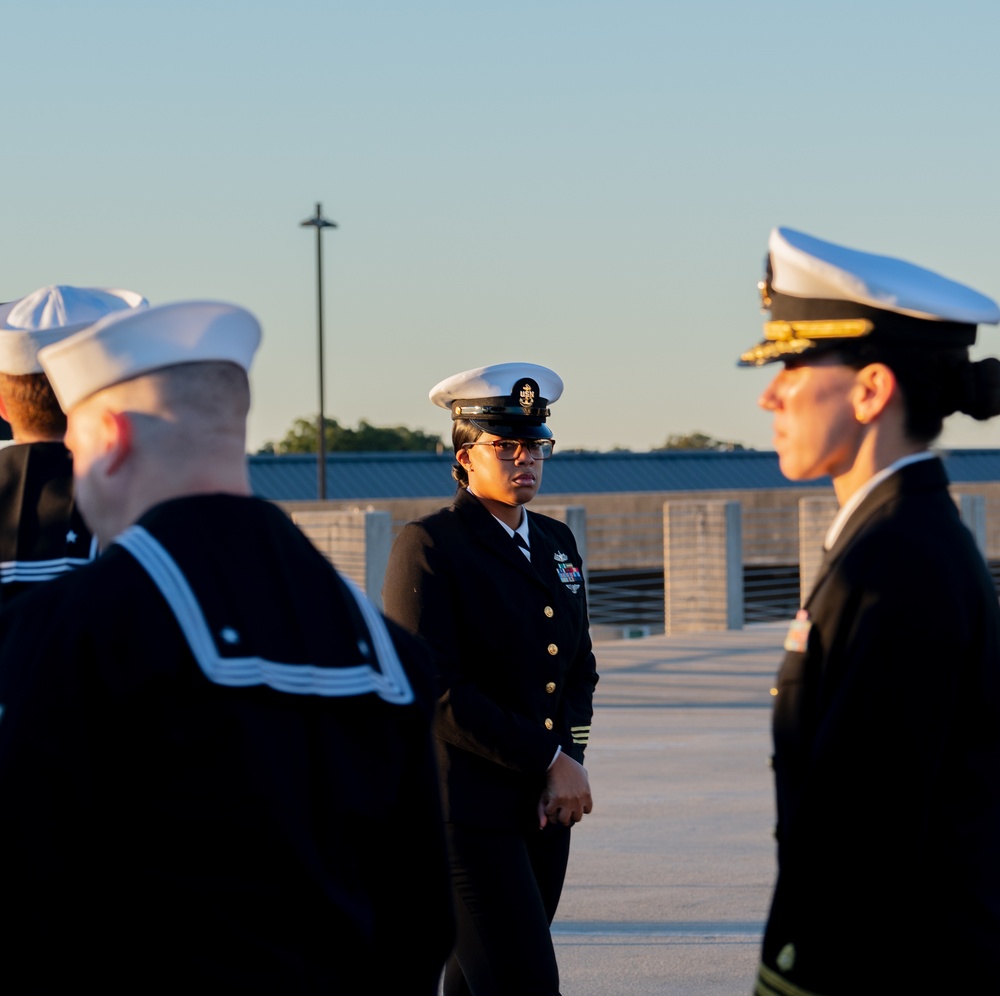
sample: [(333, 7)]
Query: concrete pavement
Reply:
[(670, 876)]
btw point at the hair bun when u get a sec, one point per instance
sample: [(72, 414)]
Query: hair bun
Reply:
[(981, 393)]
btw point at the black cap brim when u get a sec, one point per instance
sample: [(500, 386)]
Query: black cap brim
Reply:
[(510, 429)]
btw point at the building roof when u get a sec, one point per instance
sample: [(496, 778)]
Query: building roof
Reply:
[(360, 476)]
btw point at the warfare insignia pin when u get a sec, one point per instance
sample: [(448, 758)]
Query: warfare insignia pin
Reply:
[(560, 556)]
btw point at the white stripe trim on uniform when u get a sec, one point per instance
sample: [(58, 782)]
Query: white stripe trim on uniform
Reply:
[(38, 570), (390, 684)]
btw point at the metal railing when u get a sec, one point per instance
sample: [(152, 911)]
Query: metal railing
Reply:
[(770, 564), (625, 559)]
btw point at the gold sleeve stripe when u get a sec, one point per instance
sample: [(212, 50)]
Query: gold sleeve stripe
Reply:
[(770, 983)]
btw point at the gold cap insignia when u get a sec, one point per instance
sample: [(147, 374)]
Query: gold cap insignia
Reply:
[(764, 286)]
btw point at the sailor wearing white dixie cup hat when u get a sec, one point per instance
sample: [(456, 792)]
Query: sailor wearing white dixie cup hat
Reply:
[(207, 727), (887, 711), (499, 595), (41, 533)]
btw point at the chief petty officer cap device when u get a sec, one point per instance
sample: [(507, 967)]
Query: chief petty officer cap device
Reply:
[(823, 296), (126, 345), (52, 313), (507, 399)]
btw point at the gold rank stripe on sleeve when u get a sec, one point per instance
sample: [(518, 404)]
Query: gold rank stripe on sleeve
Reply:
[(770, 983), (580, 734)]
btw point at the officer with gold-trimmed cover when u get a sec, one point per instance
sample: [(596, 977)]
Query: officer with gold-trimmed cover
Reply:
[(499, 595), (887, 712)]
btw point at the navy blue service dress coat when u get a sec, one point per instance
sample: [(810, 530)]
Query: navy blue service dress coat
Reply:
[(216, 772), (887, 760), (516, 666)]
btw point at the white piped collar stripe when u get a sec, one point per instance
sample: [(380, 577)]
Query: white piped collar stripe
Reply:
[(390, 684)]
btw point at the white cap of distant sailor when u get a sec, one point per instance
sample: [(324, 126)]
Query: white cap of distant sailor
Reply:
[(824, 296), (52, 313), (506, 399), (128, 344)]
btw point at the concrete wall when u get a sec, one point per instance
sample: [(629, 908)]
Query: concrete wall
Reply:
[(624, 531), (618, 524), (702, 541)]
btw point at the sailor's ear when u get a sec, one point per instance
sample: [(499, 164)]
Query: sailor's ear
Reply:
[(119, 433), (876, 387)]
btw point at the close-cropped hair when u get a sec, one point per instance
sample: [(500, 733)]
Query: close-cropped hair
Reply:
[(32, 407), (212, 391), (184, 413)]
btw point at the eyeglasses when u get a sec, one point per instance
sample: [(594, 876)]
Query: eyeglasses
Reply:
[(507, 449)]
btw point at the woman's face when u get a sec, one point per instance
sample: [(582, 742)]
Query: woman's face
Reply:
[(816, 431), (511, 482)]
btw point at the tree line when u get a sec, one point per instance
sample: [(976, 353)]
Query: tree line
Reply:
[(368, 438)]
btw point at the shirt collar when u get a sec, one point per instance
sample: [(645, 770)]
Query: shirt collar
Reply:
[(850, 506), (522, 528)]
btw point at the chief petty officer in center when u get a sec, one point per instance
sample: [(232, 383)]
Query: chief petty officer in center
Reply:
[(499, 595)]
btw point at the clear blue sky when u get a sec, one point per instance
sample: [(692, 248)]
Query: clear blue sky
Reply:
[(588, 185)]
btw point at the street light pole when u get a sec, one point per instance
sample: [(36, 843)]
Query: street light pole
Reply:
[(319, 223)]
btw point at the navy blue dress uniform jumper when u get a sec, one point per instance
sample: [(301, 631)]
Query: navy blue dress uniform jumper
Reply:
[(887, 760), (216, 772), (42, 535), (516, 682)]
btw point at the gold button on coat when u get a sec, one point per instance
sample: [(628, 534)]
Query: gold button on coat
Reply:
[(553, 649), (550, 687), (549, 724), (549, 611)]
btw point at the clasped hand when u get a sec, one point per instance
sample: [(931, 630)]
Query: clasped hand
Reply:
[(566, 796)]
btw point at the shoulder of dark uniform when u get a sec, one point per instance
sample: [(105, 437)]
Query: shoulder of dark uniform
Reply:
[(418, 662), (555, 529), (442, 522), (85, 597), (920, 538)]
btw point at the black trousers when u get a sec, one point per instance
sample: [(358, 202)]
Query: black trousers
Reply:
[(506, 886)]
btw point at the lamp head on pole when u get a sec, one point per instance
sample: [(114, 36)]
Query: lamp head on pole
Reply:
[(318, 221)]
